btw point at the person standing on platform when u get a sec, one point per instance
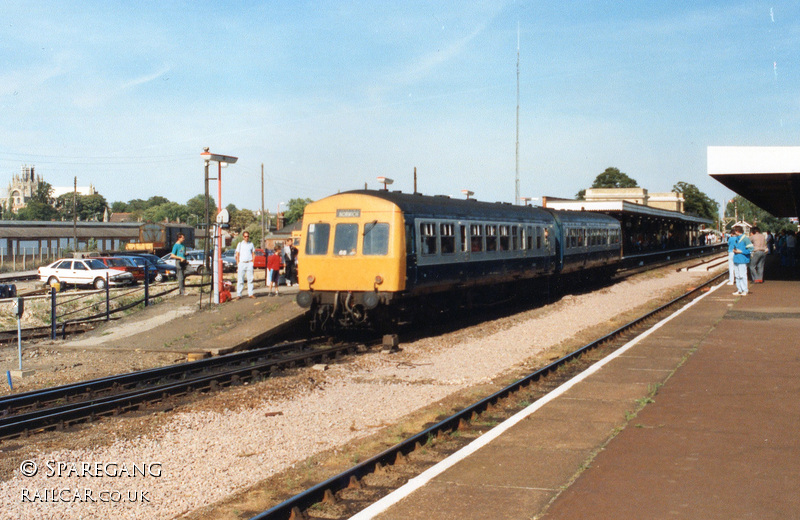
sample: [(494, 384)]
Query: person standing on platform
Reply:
[(179, 255), (731, 241), (274, 264), (759, 254), (288, 262), (742, 248), (245, 252)]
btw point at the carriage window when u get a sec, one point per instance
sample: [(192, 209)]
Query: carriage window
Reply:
[(538, 238), (491, 237), (345, 240), (464, 241), (317, 241), (476, 237), (448, 237), (515, 238), (505, 238), (529, 238), (427, 235), (376, 239)]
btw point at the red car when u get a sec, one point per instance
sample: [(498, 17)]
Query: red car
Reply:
[(260, 260), (122, 263)]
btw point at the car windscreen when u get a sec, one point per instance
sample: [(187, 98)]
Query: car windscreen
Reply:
[(95, 264)]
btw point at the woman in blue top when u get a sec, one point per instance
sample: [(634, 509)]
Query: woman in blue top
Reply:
[(741, 257)]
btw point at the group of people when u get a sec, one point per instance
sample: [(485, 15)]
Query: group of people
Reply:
[(281, 258), (747, 254)]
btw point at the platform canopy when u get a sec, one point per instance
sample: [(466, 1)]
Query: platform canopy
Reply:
[(767, 176)]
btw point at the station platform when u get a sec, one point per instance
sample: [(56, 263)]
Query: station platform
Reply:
[(700, 418)]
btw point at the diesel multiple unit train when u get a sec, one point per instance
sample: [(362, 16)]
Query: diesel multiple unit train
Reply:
[(376, 257)]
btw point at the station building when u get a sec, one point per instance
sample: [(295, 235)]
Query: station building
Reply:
[(651, 222)]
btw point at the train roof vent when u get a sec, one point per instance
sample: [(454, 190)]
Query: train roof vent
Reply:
[(397, 191), (504, 203), (443, 196)]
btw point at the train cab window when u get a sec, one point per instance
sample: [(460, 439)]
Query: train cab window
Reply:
[(505, 238), (448, 238), (464, 238), (476, 237), (317, 241), (376, 239), (491, 237), (427, 236), (345, 240)]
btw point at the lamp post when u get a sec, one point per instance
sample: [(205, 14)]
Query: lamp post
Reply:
[(468, 193), (222, 161)]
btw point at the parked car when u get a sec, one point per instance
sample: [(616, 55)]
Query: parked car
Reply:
[(87, 271), (124, 263), (260, 259), (195, 258), (163, 270), (229, 261)]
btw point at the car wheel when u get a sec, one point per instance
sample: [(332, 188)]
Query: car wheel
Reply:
[(99, 283), (200, 269), (52, 281), (159, 278)]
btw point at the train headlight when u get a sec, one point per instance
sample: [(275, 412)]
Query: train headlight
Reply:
[(311, 279), (371, 300), (378, 280)]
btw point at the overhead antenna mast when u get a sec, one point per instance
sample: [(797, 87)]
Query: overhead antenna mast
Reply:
[(516, 184)]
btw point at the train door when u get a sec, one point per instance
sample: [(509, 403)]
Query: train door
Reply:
[(411, 254)]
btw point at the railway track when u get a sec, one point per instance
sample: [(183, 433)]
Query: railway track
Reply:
[(347, 493), (60, 407)]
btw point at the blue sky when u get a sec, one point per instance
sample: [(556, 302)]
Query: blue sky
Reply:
[(329, 95)]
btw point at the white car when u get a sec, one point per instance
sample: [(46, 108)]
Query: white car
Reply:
[(195, 259), (86, 271)]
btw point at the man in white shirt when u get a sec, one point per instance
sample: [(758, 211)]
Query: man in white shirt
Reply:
[(245, 252)]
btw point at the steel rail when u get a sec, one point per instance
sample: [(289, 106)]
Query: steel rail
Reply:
[(41, 420), (91, 388), (316, 494)]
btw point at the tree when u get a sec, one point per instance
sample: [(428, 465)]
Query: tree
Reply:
[(35, 210), (743, 209), (43, 193), (119, 207), (169, 211), (197, 206), (696, 202), (241, 219), (295, 211), (89, 207), (156, 200), (610, 178)]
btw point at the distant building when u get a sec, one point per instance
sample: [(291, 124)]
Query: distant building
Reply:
[(23, 187), (671, 201)]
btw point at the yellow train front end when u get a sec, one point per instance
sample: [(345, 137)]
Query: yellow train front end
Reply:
[(352, 262)]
